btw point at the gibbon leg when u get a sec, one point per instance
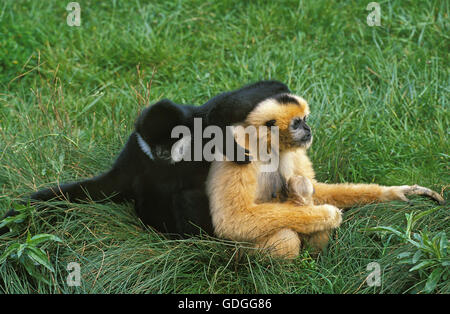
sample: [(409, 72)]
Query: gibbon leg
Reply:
[(348, 195), (102, 188), (284, 243)]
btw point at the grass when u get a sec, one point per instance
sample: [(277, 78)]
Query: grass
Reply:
[(69, 97)]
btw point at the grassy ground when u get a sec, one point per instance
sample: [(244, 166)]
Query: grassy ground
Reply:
[(69, 96)]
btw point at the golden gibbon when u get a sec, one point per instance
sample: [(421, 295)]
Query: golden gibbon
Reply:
[(277, 210)]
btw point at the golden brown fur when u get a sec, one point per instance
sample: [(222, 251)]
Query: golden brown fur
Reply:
[(244, 201)]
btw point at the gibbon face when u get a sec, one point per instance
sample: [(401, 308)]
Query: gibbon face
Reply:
[(287, 112)]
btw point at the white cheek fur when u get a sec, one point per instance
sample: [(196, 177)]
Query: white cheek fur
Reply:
[(178, 150), (144, 146)]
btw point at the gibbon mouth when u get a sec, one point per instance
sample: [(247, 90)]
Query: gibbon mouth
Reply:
[(302, 136), (306, 140)]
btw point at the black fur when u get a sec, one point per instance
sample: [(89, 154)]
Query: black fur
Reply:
[(169, 197), (286, 99)]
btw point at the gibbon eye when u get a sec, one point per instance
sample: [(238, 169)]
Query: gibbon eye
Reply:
[(296, 124), (270, 123)]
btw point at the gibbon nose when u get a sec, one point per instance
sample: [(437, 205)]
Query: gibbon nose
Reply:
[(307, 132), (307, 135)]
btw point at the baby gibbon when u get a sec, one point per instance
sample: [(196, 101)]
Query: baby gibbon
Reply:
[(300, 190), (277, 210)]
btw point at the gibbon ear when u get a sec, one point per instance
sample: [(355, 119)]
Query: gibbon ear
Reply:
[(156, 122)]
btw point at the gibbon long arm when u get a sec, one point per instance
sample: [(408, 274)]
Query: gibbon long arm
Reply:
[(346, 195), (114, 185)]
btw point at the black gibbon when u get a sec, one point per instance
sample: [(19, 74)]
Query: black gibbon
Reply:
[(277, 210), (168, 195)]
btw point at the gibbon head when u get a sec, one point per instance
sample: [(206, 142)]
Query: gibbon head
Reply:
[(154, 127), (287, 112)]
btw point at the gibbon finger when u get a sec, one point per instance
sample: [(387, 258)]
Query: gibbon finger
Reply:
[(420, 190)]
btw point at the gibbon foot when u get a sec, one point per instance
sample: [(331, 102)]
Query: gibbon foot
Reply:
[(284, 243), (400, 193), (287, 243), (317, 240)]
